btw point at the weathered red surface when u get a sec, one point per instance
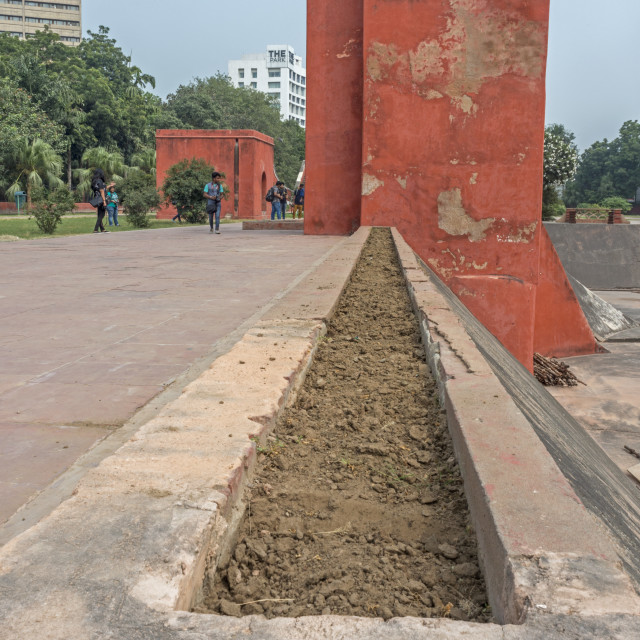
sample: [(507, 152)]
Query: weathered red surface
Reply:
[(255, 172), (561, 328), (334, 116), (452, 144)]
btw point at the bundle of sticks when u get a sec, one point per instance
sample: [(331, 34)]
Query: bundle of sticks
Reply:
[(553, 373)]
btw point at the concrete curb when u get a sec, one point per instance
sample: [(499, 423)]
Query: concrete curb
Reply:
[(539, 547)]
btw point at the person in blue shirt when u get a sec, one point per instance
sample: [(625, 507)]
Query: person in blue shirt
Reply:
[(112, 204), (213, 193)]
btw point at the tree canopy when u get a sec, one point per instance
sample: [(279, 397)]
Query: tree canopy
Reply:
[(93, 99), (608, 168)]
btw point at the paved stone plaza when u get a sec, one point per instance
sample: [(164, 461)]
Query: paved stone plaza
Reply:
[(93, 327)]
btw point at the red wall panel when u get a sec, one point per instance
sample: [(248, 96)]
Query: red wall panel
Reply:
[(255, 160)]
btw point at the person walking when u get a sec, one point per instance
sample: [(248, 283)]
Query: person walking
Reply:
[(298, 201), (98, 187), (213, 193), (112, 204), (278, 194), (178, 215)]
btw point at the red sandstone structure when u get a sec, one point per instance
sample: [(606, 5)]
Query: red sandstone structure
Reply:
[(429, 116), (244, 156)]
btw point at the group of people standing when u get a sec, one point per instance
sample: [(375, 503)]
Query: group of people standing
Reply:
[(109, 204), (278, 196)]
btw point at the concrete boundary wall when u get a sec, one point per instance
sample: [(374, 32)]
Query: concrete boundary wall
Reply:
[(534, 535), (600, 256)]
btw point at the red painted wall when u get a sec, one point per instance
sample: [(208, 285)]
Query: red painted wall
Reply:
[(452, 145), (218, 148), (334, 116), (561, 328)]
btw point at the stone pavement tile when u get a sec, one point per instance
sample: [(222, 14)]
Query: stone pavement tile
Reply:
[(150, 352), (103, 404), (32, 456), (9, 381), (120, 374)]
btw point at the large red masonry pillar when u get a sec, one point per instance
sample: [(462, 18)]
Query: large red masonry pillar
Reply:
[(334, 105), (452, 149)]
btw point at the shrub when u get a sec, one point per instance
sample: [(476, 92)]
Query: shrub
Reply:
[(184, 185), (553, 211), (48, 208), (616, 202), (139, 195)]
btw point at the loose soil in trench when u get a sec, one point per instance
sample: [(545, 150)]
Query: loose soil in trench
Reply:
[(357, 505)]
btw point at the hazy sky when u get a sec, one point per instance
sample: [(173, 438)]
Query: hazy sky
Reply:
[(594, 48)]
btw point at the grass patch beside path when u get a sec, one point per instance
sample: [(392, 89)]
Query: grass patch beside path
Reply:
[(70, 226)]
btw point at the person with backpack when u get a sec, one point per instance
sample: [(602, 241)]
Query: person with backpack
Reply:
[(213, 193), (98, 188), (112, 204), (298, 201), (277, 197)]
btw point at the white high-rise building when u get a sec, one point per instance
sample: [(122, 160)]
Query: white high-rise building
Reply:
[(279, 73)]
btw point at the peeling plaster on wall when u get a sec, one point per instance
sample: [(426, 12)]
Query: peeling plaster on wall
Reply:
[(402, 181), (370, 184), (476, 45), (473, 179), (521, 158), (425, 61), (432, 94), (465, 104), (380, 60), (453, 219), (349, 48), (523, 236)]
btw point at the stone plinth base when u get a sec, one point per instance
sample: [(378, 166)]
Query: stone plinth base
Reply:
[(273, 225)]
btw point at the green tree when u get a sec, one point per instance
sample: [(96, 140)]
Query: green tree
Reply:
[(608, 168), (560, 162), (139, 195), (21, 119), (616, 202), (183, 187), (111, 162), (145, 160), (35, 163)]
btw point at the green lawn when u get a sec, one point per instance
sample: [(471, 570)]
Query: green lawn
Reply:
[(70, 226)]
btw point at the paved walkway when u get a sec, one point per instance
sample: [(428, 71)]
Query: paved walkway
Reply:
[(609, 405), (93, 327)]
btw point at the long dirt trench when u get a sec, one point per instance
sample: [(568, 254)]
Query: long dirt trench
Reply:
[(357, 505)]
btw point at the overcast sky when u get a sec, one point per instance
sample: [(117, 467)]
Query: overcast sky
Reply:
[(592, 84)]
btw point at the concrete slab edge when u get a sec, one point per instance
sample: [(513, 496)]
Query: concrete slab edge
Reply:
[(540, 549)]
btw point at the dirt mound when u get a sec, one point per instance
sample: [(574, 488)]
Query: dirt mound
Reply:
[(357, 507)]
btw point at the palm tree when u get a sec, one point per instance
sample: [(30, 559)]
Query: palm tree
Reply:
[(111, 162), (36, 163), (145, 160)]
